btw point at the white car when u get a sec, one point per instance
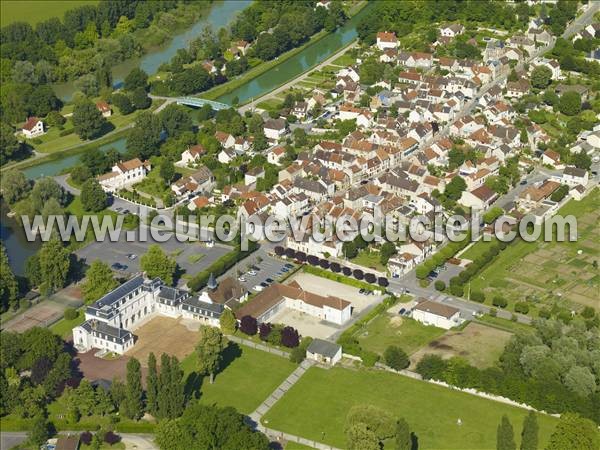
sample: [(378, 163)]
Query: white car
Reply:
[(242, 279), (258, 288), (251, 273)]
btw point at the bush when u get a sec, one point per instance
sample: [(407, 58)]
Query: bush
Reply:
[(396, 358), (439, 285), (290, 337), (499, 301), (383, 282), (493, 312), (85, 438), (457, 290), (522, 307), (248, 325), (358, 274), (432, 367), (264, 331), (545, 313), (347, 271), (71, 314), (298, 354), (478, 296), (369, 358), (370, 278), (111, 438)]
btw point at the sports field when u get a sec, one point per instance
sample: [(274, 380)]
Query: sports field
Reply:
[(34, 11), (544, 272), (317, 405)]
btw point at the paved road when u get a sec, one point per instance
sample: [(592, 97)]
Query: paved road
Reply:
[(132, 441)]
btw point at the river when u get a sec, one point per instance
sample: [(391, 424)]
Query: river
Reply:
[(221, 13)]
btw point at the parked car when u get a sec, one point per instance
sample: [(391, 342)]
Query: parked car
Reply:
[(242, 279), (523, 182), (289, 266), (132, 256), (361, 291), (251, 273), (118, 266), (269, 280), (258, 288), (285, 269), (264, 284), (402, 311)]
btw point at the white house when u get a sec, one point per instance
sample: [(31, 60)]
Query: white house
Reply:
[(324, 352), (386, 40), (452, 30), (437, 314), (124, 174), (225, 139), (34, 127), (480, 198), (275, 155), (104, 108), (275, 129), (110, 321), (226, 155), (201, 181), (190, 156), (574, 176)]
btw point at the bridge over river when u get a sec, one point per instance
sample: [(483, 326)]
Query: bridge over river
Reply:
[(192, 101)]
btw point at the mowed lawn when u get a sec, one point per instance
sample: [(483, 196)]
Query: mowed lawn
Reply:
[(387, 329), (320, 401), (34, 11), (247, 379)]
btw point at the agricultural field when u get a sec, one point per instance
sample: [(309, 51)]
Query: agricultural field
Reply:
[(479, 344), (247, 378), (34, 11), (322, 398), (392, 329), (545, 272)]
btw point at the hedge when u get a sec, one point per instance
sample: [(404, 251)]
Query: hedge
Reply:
[(220, 266), (340, 278)]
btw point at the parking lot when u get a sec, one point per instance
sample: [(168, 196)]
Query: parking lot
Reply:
[(192, 257), (259, 268)]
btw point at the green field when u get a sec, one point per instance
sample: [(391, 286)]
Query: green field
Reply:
[(316, 408), (64, 327), (547, 272), (369, 259), (247, 379), (32, 12), (387, 329)]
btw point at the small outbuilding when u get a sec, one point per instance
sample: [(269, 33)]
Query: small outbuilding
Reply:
[(324, 352)]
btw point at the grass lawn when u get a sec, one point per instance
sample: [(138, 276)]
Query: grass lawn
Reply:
[(369, 259), (477, 249), (247, 378), (548, 272), (387, 329), (344, 60), (64, 327), (36, 11), (320, 401), (504, 324)]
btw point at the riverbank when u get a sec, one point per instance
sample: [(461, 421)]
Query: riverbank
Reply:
[(227, 88)]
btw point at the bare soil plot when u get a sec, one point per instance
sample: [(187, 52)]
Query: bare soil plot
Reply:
[(40, 315), (163, 335), (479, 344)]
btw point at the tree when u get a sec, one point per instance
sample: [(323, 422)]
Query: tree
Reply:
[(137, 78), (122, 102), (227, 322), (455, 188), (505, 437), (248, 325), (359, 437), (290, 337), (167, 171), (8, 283), (175, 120), (45, 189), (580, 380), (574, 432), (388, 249), (140, 99), (93, 198), (15, 186), (403, 439), (9, 145), (541, 76), (133, 406), (144, 139), (80, 174), (99, 280), (157, 264), (209, 349), (152, 386), (54, 265), (396, 358), (529, 435), (570, 103), (87, 120), (39, 431)]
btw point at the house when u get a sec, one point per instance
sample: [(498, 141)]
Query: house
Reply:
[(479, 198), (225, 139), (573, 176), (554, 67), (386, 40), (452, 30), (201, 181), (533, 196), (275, 129), (552, 158), (69, 442), (276, 154), (324, 352), (580, 89), (191, 155), (228, 292), (439, 315), (517, 89), (226, 155), (539, 36), (34, 127), (111, 320), (104, 108), (123, 174), (198, 203), (252, 176), (279, 296)]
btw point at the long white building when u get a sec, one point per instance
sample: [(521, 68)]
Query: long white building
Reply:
[(110, 321)]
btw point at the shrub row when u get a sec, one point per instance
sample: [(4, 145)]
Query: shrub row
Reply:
[(220, 266)]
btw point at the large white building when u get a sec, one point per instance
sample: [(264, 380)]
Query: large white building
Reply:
[(432, 313), (111, 320), (124, 174)]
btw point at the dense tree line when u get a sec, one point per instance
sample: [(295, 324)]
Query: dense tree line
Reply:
[(554, 368)]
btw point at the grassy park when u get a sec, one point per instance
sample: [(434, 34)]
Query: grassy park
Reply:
[(32, 12), (322, 398), (248, 377), (392, 329), (369, 259), (548, 271)]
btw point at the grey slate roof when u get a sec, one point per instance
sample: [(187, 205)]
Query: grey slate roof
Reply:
[(325, 348)]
